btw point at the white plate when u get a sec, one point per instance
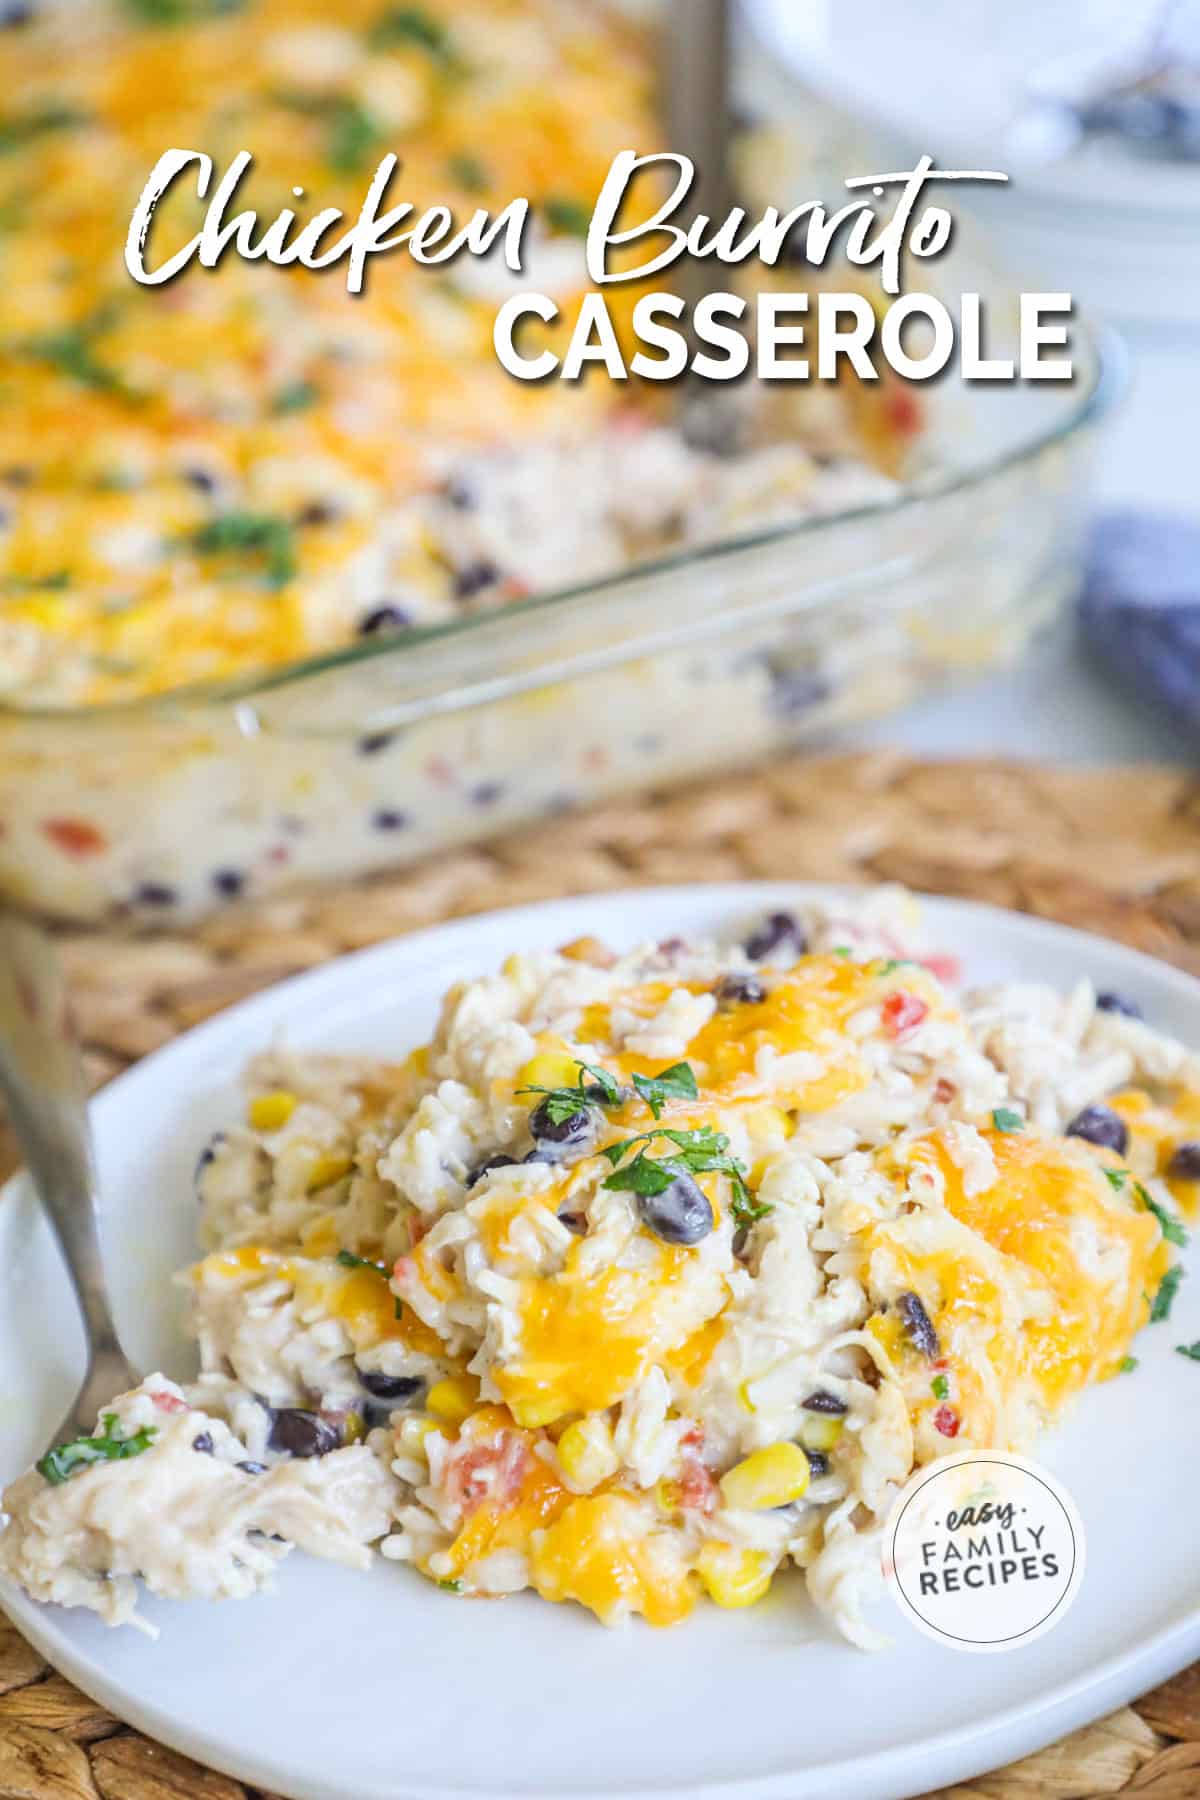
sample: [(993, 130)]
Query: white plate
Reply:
[(354, 1687)]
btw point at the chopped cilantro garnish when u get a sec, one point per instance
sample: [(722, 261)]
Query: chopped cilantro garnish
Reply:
[(72, 352), (1160, 1306), (595, 1087), (1116, 1178), (696, 1153), (352, 135), (675, 1083), (452, 1587), (747, 1210), (468, 171), (348, 1260), (1172, 1230), (1189, 1350), (111, 1445), (1127, 1365), (1005, 1119), (251, 534), (565, 215), (52, 583), (297, 396), (179, 12), (841, 949), (896, 962), (19, 129), (399, 1309), (941, 1387), (400, 25)]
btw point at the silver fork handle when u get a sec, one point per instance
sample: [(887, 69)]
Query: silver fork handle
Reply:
[(41, 1078)]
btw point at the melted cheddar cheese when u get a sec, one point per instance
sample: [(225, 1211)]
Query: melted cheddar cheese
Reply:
[(1050, 1296), (741, 1053), (588, 1333), (600, 1554), (1157, 1128)]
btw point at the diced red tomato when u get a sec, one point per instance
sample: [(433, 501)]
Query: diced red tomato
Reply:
[(947, 1421), (946, 967), (902, 1013), (168, 1403), (492, 1472), (696, 1488), (75, 836), (943, 1090), (903, 410)]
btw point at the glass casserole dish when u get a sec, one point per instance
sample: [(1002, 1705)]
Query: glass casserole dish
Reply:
[(166, 807)]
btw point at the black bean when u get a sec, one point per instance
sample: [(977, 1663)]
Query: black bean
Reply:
[(460, 494), (302, 1433), (1101, 1125), (1117, 1003), (201, 479), (681, 1214), (391, 1387), (795, 692), (317, 512), (779, 931), (918, 1325), (501, 1161), (388, 818), (822, 1401), (15, 13), (383, 618), (576, 1222), (575, 1132), (474, 578), (486, 793), (155, 893), (203, 1443), (540, 1156), (229, 882), (208, 1154), (818, 1462), (1185, 1163), (374, 742), (740, 990), (251, 1468)]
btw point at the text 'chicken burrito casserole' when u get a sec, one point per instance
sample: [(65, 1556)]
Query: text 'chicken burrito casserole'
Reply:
[(649, 1276)]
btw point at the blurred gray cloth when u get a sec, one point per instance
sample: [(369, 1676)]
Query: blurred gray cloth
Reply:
[(1139, 612)]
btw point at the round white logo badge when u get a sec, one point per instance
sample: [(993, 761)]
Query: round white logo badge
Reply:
[(984, 1550)]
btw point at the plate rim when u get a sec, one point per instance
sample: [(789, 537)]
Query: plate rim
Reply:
[(948, 1756)]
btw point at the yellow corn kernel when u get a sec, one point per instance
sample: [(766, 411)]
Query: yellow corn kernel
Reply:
[(770, 1121), (271, 1112), (586, 1453), (452, 1400), (410, 1434), (821, 1432), (536, 1410), (417, 1061), (326, 1170), (320, 1237), (766, 1478), (353, 1428), (734, 1577), (588, 950), (549, 1069)]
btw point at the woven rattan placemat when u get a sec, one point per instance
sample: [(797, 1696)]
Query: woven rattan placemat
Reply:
[(1115, 851)]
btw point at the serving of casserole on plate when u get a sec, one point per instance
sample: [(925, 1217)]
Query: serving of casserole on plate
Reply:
[(648, 1278)]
